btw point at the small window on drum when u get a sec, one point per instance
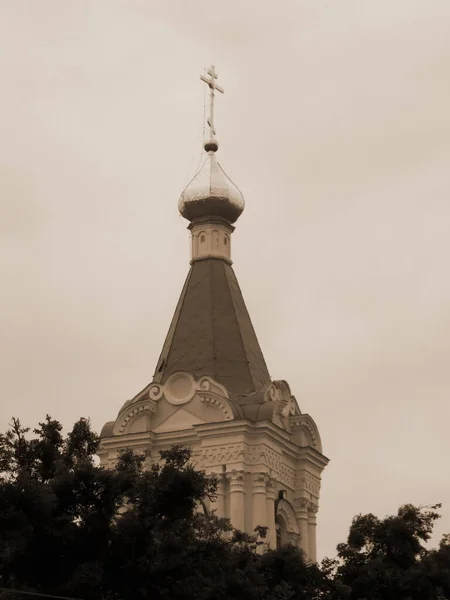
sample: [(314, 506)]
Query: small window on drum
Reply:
[(202, 238), (225, 240)]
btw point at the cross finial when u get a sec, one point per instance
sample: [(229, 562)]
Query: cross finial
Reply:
[(211, 144)]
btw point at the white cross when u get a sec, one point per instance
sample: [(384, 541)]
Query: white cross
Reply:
[(212, 87)]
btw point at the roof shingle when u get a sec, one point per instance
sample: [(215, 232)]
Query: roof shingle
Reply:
[(211, 332)]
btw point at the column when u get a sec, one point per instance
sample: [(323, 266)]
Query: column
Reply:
[(312, 528), (270, 512), (259, 501), (237, 498), (301, 513)]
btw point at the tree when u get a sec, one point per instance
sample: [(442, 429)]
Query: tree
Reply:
[(71, 528), (56, 507), (386, 559)]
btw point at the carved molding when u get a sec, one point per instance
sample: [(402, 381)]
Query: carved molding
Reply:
[(310, 483), (302, 504), (253, 454), (306, 422), (208, 384), (274, 460), (287, 476), (182, 387), (155, 392), (257, 455), (128, 415), (214, 400), (279, 393), (223, 454), (271, 458), (179, 389), (236, 479), (259, 482), (313, 507)]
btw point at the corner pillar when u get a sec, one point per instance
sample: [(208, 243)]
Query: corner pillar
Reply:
[(301, 513), (259, 501), (312, 529), (270, 512), (237, 499)]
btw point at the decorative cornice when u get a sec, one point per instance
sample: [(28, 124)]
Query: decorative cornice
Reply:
[(155, 391), (313, 456), (279, 393), (212, 219), (215, 400), (208, 384), (207, 256), (310, 483), (297, 422), (223, 454), (180, 388)]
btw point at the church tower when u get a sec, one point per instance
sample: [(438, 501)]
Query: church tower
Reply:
[(211, 390)]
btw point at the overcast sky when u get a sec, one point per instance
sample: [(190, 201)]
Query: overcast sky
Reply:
[(334, 124)]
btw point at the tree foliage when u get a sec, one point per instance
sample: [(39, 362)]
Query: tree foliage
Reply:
[(71, 528), (387, 558)]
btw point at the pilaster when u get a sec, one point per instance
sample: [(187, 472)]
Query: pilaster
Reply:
[(270, 512), (236, 481), (301, 513), (259, 501), (313, 507)]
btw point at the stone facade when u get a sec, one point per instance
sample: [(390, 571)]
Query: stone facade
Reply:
[(268, 471)]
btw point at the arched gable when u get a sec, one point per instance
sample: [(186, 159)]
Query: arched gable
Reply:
[(305, 432)]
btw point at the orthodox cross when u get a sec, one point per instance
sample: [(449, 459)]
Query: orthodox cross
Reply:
[(211, 81)]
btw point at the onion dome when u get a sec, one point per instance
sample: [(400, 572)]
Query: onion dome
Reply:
[(211, 193)]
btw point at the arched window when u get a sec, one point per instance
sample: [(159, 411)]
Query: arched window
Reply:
[(202, 238), (225, 240)]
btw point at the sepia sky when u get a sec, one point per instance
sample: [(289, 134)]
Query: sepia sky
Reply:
[(334, 124)]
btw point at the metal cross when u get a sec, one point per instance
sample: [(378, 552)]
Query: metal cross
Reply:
[(212, 87)]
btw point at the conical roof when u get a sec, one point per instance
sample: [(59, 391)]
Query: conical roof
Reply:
[(211, 332)]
